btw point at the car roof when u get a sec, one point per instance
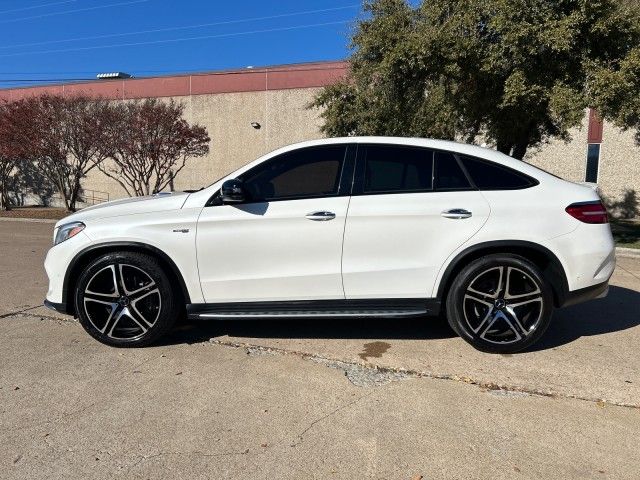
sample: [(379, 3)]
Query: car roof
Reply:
[(411, 141)]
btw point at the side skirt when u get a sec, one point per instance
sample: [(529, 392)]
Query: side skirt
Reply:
[(373, 308)]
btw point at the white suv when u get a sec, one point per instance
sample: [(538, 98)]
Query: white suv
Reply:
[(345, 227)]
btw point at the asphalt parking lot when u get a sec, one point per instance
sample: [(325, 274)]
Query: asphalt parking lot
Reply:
[(300, 399)]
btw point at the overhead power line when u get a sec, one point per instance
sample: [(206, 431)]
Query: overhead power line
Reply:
[(65, 12), (21, 80), (33, 7), (186, 27), (46, 73), (176, 40)]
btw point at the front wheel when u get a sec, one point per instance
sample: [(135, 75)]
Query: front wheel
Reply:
[(500, 303), (125, 299)]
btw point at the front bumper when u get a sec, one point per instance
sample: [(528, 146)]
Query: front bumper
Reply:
[(589, 293), (56, 264), (58, 307)]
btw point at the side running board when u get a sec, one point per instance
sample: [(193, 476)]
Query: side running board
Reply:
[(393, 308)]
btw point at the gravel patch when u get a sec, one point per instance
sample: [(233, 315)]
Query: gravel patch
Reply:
[(360, 375)]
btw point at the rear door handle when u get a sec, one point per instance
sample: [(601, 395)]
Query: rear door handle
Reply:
[(456, 213), (320, 216)]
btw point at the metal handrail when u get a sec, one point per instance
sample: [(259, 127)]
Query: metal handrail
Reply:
[(93, 197)]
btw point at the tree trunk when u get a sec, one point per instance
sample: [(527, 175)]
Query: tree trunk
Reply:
[(73, 197), (5, 203), (63, 193), (519, 150), (504, 147)]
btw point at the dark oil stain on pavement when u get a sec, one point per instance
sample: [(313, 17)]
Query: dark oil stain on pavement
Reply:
[(374, 349)]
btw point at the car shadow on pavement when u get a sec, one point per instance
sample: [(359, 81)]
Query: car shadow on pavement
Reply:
[(619, 310), (423, 328)]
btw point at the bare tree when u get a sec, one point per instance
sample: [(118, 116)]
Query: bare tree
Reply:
[(66, 138), (7, 166), (9, 154), (150, 143)]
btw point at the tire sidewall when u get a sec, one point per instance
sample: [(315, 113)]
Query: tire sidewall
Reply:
[(149, 265), (455, 299)]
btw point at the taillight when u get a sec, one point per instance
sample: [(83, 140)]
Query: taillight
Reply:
[(588, 212)]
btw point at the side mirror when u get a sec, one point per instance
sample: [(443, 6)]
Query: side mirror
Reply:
[(232, 191)]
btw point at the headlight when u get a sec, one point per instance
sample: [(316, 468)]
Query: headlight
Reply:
[(65, 232)]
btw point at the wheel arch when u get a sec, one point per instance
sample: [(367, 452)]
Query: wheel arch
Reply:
[(542, 257), (87, 255)]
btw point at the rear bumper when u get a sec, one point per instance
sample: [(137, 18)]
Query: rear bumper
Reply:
[(589, 293)]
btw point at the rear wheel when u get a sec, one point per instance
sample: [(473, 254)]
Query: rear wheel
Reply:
[(500, 304), (125, 300)]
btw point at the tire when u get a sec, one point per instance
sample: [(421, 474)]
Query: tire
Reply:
[(125, 299), (500, 303)]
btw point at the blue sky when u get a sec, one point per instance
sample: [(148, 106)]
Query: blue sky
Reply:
[(48, 39)]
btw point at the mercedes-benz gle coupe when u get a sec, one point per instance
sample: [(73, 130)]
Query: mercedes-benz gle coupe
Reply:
[(349, 227)]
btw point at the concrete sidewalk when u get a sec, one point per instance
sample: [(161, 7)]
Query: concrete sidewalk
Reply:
[(72, 408)]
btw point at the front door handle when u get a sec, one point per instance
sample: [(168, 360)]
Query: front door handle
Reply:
[(456, 213), (320, 216)]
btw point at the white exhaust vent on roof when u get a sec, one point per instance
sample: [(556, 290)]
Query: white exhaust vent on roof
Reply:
[(112, 75)]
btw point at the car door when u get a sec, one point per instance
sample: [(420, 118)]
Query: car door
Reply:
[(285, 241), (411, 208)]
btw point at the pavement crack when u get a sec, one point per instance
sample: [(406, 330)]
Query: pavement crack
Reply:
[(411, 373), (54, 421), (38, 316), (144, 458), (300, 436), (11, 314)]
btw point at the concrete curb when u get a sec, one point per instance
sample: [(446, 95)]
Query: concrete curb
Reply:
[(28, 220), (628, 252)]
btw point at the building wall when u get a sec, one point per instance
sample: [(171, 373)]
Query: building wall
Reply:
[(564, 159), (619, 164), (619, 173), (283, 119)]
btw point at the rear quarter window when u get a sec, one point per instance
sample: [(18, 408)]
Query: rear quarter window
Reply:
[(491, 176)]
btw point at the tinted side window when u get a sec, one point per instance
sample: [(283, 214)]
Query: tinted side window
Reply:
[(448, 174), (390, 168), (490, 176), (309, 172)]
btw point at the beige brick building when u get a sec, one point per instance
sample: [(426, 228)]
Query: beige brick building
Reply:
[(253, 111), (599, 153)]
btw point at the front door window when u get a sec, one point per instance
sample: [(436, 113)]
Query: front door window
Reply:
[(306, 173)]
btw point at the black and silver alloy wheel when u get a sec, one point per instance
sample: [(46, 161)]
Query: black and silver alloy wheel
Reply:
[(500, 303), (124, 299)]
